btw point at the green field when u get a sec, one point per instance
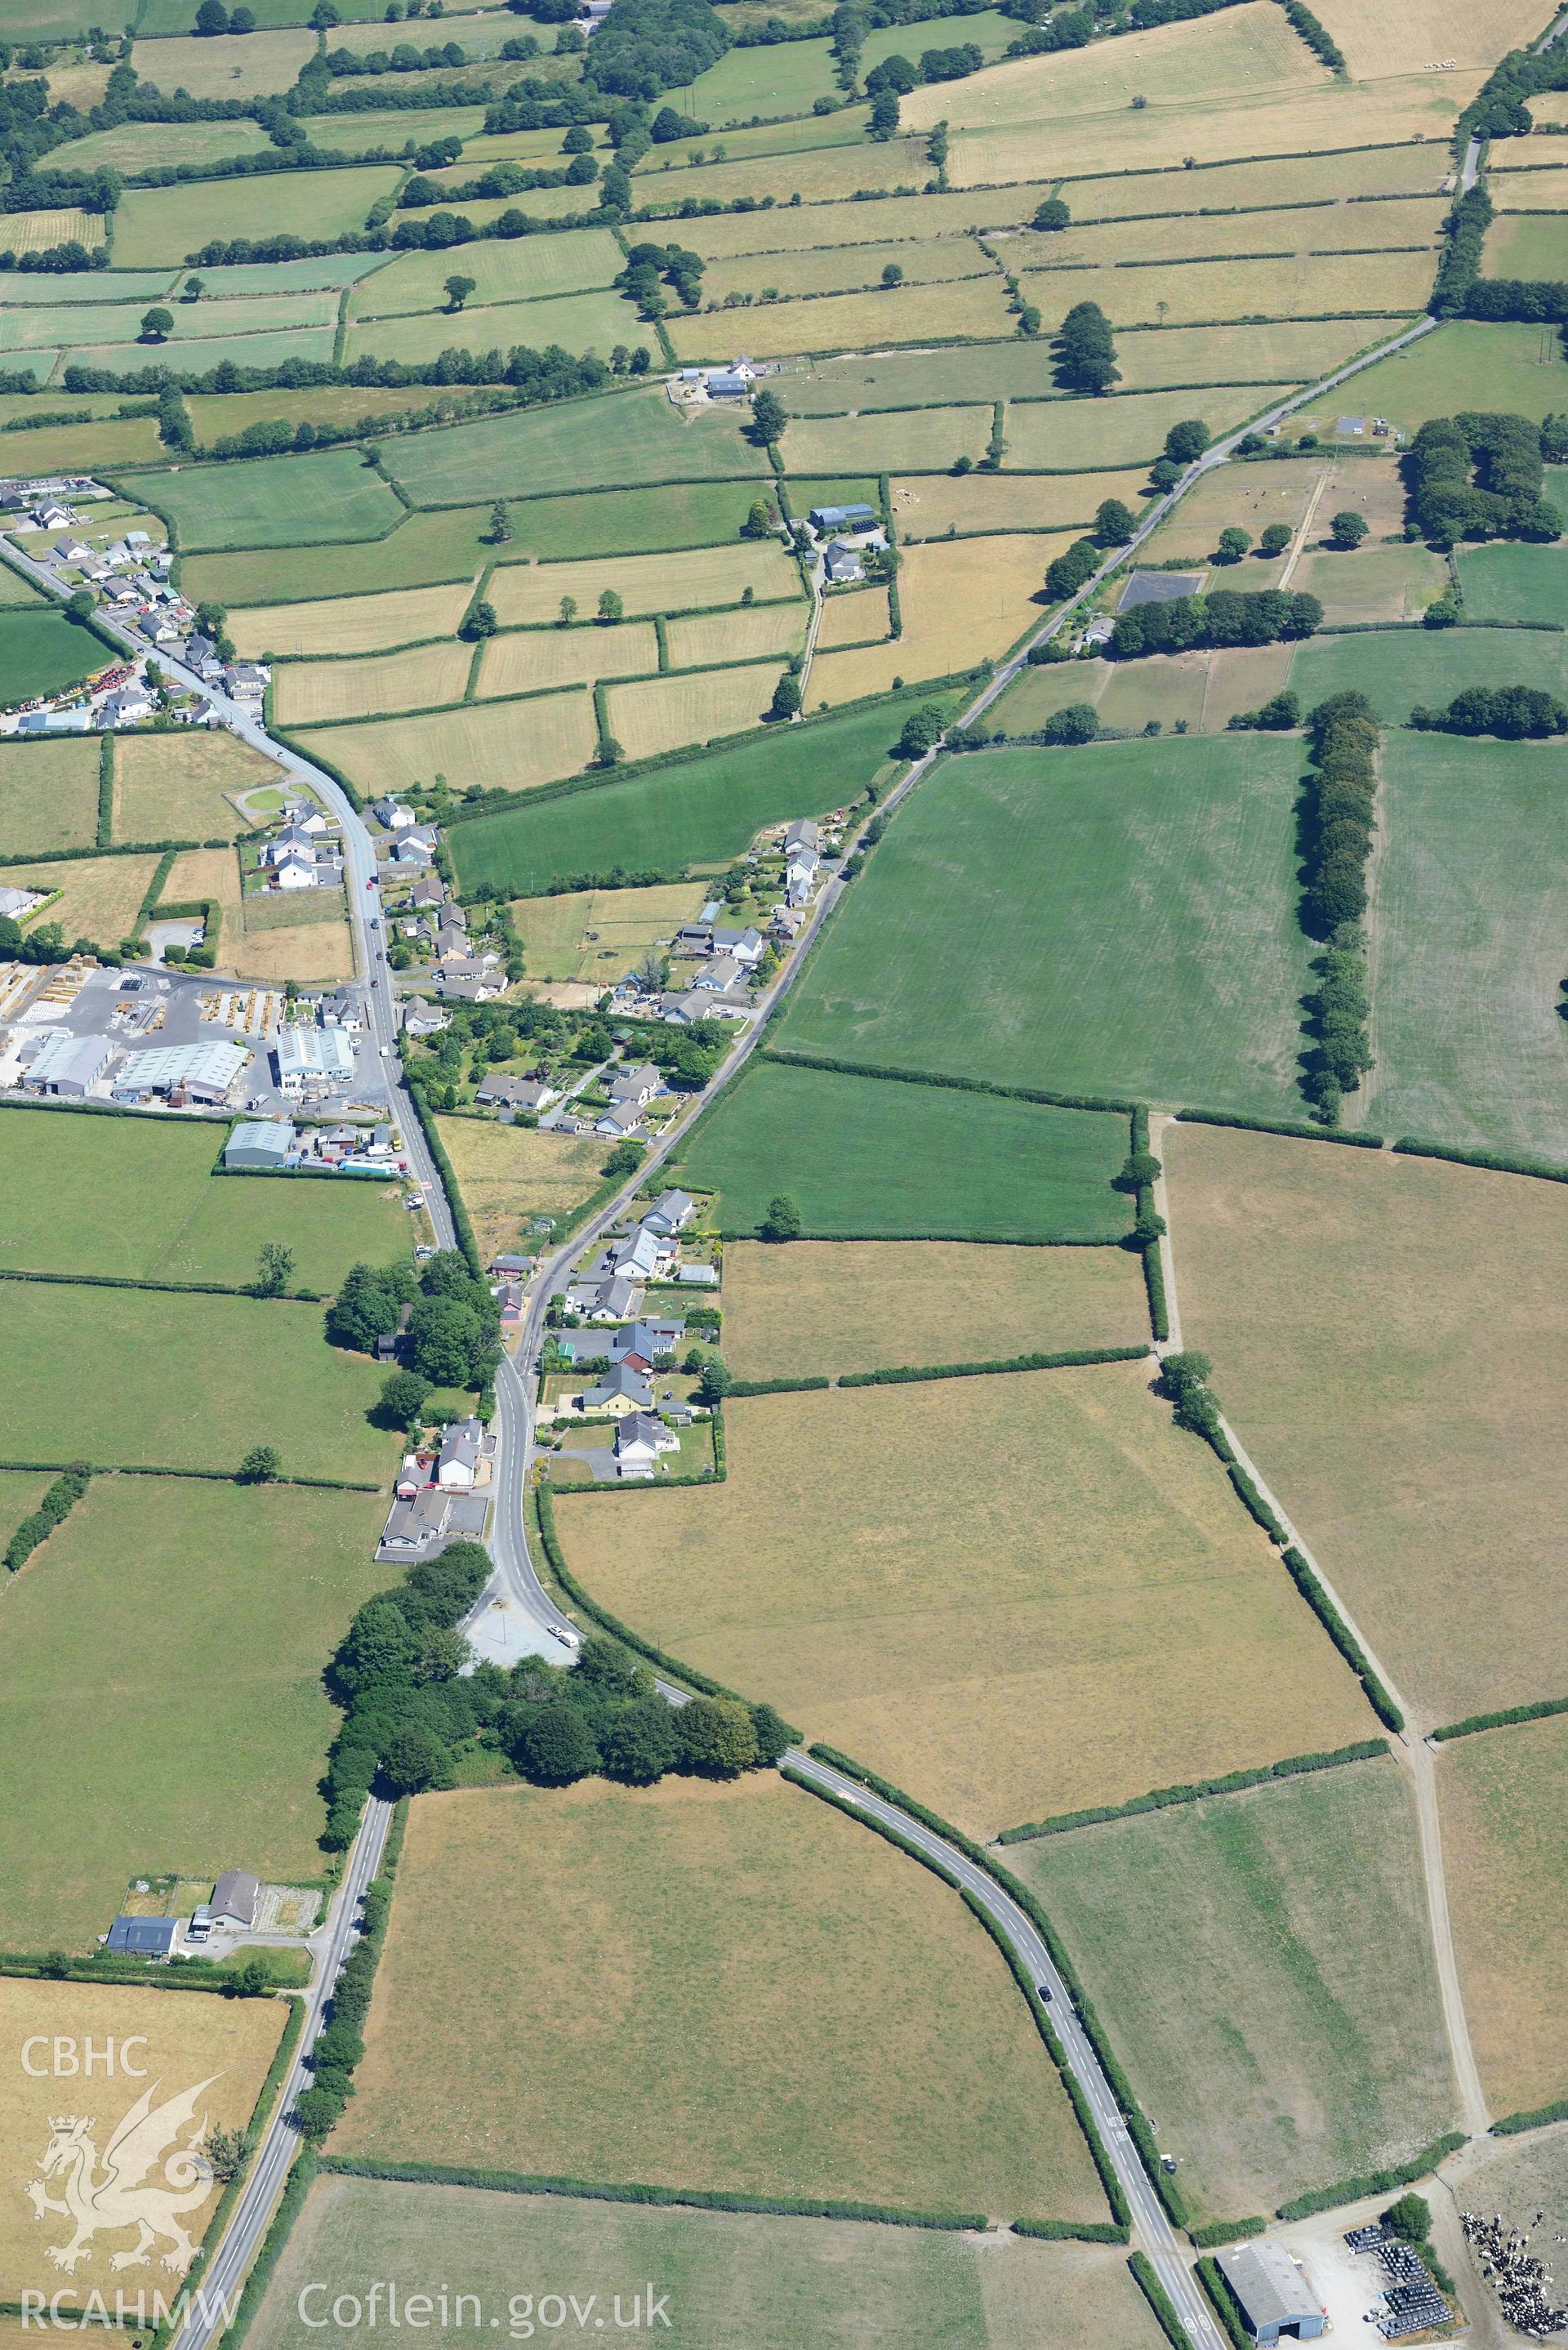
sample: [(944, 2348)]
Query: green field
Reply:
[(41, 651), (624, 440), (275, 501), (509, 270), (1119, 920), (1470, 1042), (116, 322), (768, 2283), (861, 1156), (49, 801), (331, 269), (1398, 667), (1465, 365), (1291, 2034), (702, 811), (259, 350), (174, 1632), (163, 225), (577, 322), (173, 1220), (1513, 581), (124, 148), (745, 83), (139, 1378)]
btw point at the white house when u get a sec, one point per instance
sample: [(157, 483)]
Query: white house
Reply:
[(671, 1214), (635, 1089), (457, 1461), (638, 1441)]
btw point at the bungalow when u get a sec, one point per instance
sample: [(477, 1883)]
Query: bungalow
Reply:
[(413, 849), (638, 1441), (510, 1265), (621, 1389), (746, 946), (143, 1937), (670, 1212), (516, 1093), (457, 1461), (719, 975), (608, 1299), (636, 1087), (422, 1526), (684, 1010), (618, 1124), (391, 814), (234, 1900)]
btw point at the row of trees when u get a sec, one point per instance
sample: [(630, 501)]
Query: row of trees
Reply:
[(453, 1331), (1478, 475), (1516, 712), (1346, 737), (604, 1714), (1227, 615)]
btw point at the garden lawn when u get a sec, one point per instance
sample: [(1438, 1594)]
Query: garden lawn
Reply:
[(180, 786), (1025, 1593), (1398, 668), (628, 439), (718, 1986), (769, 2281), (1511, 580), (117, 1627), (864, 1306), (49, 797), (1292, 2035), (124, 1375), (1503, 1794), (41, 651), (1385, 1341), (156, 225), (275, 501), (172, 1219), (1119, 920), (508, 1174), (866, 1158)]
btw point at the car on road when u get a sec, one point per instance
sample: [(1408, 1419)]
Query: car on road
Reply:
[(423, 1251), (1044, 1989)]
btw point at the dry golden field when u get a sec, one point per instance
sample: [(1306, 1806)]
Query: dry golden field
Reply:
[(1301, 228), (1061, 435), (892, 441), (307, 694), (792, 229), (1377, 583), (867, 1306), (661, 712), (214, 873), (1386, 1339), (533, 657), (310, 953), (1503, 1795), (816, 174), (859, 619), (739, 636), (1298, 286), (935, 503), (249, 66), (1205, 689), (830, 269), (719, 1986), (1025, 1593), (972, 306), (508, 1173), (599, 934), (1397, 170), (1533, 192), (350, 624), (484, 743), (960, 599), (684, 582), (49, 795), (1257, 353), (180, 787), (1428, 34), (220, 2048), (99, 895)]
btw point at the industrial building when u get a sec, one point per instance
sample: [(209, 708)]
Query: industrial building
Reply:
[(183, 1072), (312, 1056), (1271, 2294), (259, 1144), (68, 1067)]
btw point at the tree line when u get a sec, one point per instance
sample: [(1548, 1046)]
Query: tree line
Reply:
[(1341, 821), (1227, 616), (1478, 475), (1516, 712)]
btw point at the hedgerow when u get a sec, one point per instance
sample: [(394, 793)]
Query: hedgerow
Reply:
[(57, 1506), (1372, 2182), (1194, 1790)]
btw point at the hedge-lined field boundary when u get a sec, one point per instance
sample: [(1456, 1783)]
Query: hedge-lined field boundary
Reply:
[(55, 1506), (204, 1476), (1499, 1163), (1506, 1719), (1226, 2231), (1373, 2182), (1159, 2300), (290, 2204), (176, 1288), (545, 1521), (1513, 2124), (1234, 1783), (782, 1054), (1296, 1129)]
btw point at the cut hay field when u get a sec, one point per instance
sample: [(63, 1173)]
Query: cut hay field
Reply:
[(144, 1584), (908, 440), (1205, 689), (962, 601), (739, 1988), (49, 797), (1465, 365), (1470, 1042), (1102, 1561), (533, 659), (242, 1373), (862, 1156), (1427, 30), (1293, 2035), (223, 2047), (1259, 352), (704, 811), (508, 1174), (249, 66), (1375, 584), (1289, 286), (600, 934), (973, 307), (481, 744), (766, 2280), (155, 226), (313, 953), (1385, 1342), (629, 439), (828, 227), (350, 624), (1334, 178), (41, 651), (1502, 1795), (1316, 228), (1513, 581), (861, 617), (1064, 435), (313, 692), (703, 706), (933, 504), (1119, 920), (577, 322), (1020, 369), (180, 787), (747, 635), (506, 270), (526, 593), (98, 896), (840, 269), (865, 1306), (1540, 189), (817, 175), (37, 232), (1398, 669), (275, 501)]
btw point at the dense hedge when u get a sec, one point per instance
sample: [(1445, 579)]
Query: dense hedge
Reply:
[(461, 1225), (1505, 1719), (937, 1077), (1256, 1506), (192, 1288), (777, 1387), (290, 2204), (1211, 2276), (1231, 1784), (1358, 1141), (1159, 2300), (1072, 2232), (1372, 2182), (1411, 1146), (1226, 2231), (1459, 264), (984, 1370), (1341, 826), (56, 1504), (1344, 1639), (1511, 2124)]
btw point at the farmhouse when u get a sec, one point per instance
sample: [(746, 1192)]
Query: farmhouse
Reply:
[(259, 1144), (312, 1056), (745, 947), (1271, 2293), (841, 565)]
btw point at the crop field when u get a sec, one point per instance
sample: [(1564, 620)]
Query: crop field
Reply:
[(908, 440), (859, 1155), (1292, 2035), (687, 581), (1205, 688), (632, 439), (308, 693), (696, 2033), (1329, 179), (182, 787), (1465, 365), (737, 636), (971, 307), (533, 659), (839, 269), (513, 270), (98, 896), (1014, 963), (932, 505), (162, 226), (1426, 30), (49, 797), (863, 617), (1397, 669), (766, 2280), (1503, 1794), (243, 1373), (704, 811), (1291, 286), (599, 934), (41, 651), (36, 232), (961, 600), (508, 1174), (350, 624), (1513, 581), (478, 745), (660, 713), (1376, 583), (865, 1306), (578, 322), (1382, 1338), (147, 1582), (1103, 1557), (1470, 1045), (279, 501), (1064, 435)]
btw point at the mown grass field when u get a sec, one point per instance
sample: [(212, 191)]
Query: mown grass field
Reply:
[(1376, 584), (98, 896), (973, 307), (280, 501), (533, 592), (599, 934), (146, 1583), (36, 232), (931, 505), (1264, 352), (701, 812), (1203, 689), (238, 1373), (752, 1994), (248, 67), (832, 270), (817, 175), (41, 651), (632, 439), (180, 786), (155, 226), (861, 1155), (1292, 2035), (1425, 29), (197, 352), (732, 2276), (862, 618), (350, 624), (1527, 246), (483, 743), (1465, 365), (74, 447), (312, 693), (1328, 179), (124, 148), (1471, 1044), (960, 602), (1109, 1620), (1067, 436), (1317, 228), (49, 795), (1291, 286), (737, 636), (1407, 666), (577, 322), (791, 228), (1119, 920), (910, 440), (114, 322), (661, 713), (507, 1174), (865, 1306), (1384, 1340), (1513, 581), (510, 270), (532, 659), (1503, 1794)]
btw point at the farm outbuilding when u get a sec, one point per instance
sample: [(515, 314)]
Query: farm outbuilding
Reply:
[(1274, 2295)]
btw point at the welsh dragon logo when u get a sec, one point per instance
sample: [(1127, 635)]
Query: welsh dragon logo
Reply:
[(142, 2179)]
